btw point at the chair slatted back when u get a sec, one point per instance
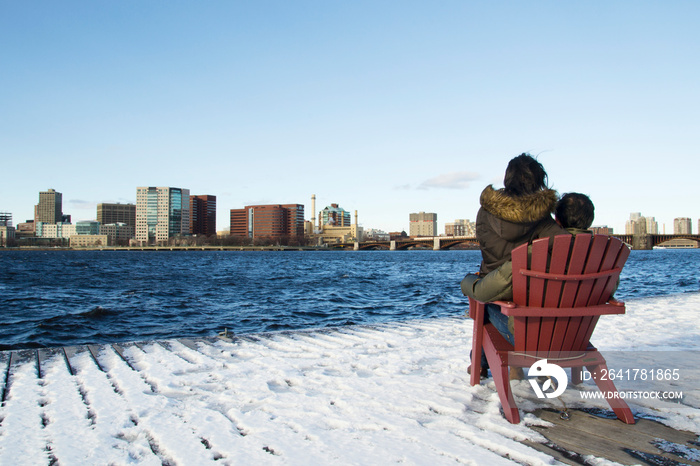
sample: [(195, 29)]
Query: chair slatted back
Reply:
[(576, 272)]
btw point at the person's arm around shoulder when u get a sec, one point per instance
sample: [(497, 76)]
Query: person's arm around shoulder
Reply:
[(494, 286), (548, 228)]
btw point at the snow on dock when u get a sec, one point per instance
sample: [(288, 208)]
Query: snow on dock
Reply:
[(380, 394)]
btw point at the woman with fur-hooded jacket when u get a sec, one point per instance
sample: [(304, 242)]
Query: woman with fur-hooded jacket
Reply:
[(574, 212), (519, 213)]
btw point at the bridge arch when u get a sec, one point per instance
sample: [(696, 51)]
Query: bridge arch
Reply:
[(403, 245), (373, 246), (450, 244)]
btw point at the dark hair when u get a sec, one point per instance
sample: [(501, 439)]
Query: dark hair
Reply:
[(575, 210), (524, 175)]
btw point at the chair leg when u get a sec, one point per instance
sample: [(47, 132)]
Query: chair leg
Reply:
[(500, 374), (607, 387), (576, 375), (477, 312)]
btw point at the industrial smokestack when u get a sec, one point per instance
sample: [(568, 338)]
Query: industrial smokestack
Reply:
[(355, 218), (313, 211)]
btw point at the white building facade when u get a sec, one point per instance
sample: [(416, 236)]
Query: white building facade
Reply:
[(161, 213), (118, 233), (682, 226), (639, 225), (423, 224), (460, 227)]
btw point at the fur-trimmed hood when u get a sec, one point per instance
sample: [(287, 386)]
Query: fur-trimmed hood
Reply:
[(521, 209)]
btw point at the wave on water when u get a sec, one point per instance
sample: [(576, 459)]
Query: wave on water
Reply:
[(76, 317), (97, 312), (133, 296)]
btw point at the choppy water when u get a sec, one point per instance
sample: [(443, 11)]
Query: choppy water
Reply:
[(62, 298)]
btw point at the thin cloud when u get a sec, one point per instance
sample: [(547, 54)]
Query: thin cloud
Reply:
[(456, 180), (81, 204)]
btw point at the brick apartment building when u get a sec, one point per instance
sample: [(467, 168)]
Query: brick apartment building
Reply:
[(260, 221)]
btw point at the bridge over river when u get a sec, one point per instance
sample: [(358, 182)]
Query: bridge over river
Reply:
[(449, 242)]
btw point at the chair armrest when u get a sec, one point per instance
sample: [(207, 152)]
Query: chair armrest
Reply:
[(505, 304), (601, 309)]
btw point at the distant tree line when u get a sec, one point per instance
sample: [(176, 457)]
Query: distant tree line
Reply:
[(214, 240)]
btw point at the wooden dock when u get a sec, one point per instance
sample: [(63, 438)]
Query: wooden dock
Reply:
[(28, 376), (601, 435)]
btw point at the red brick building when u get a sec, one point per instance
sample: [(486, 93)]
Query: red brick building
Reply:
[(268, 221)]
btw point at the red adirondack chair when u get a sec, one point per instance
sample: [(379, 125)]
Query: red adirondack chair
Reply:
[(558, 296)]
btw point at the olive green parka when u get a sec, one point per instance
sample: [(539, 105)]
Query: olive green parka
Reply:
[(497, 285)]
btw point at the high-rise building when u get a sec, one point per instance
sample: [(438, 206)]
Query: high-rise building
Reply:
[(652, 226), (682, 226), (637, 225), (295, 219), (161, 213), (5, 219), (7, 231), (268, 221), (239, 223), (116, 213), (50, 207), (334, 216), (460, 227), (422, 224), (203, 215)]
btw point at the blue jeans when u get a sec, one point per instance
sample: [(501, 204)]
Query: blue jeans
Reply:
[(500, 321)]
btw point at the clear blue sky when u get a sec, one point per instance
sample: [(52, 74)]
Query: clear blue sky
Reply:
[(384, 107)]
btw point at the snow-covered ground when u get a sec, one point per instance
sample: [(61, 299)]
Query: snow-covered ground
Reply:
[(391, 393)]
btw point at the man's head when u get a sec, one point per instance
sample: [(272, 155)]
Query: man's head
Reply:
[(575, 210)]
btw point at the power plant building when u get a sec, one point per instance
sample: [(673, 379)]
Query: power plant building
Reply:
[(161, 213), (341, 234), (335, 226), (268, 221)]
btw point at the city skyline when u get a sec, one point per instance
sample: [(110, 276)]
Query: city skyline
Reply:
[(382, 109), (633, 216)]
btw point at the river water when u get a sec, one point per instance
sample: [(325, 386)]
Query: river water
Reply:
[(63, 298)]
